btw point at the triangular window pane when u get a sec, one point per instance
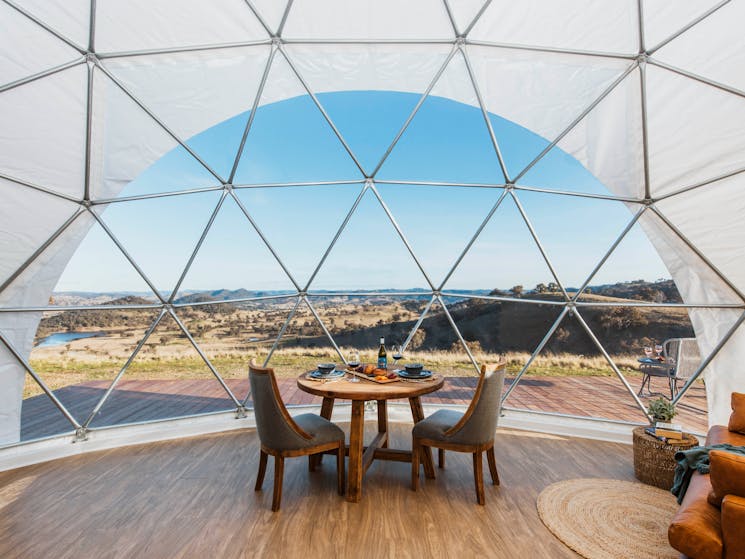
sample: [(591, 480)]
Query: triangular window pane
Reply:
[(98, 266), (657, 352), (437, 346), (212, 124), (503, 257), (140, 156), (290, 141), (176, 170), (77, 353), (303, 343), (614, 166), (571, 376), (358, 322), (446, 141), (166, 379), (233, 261), (562, 224), (364, 91), (426, 214), (369, 120), (300, 221), (533, 97), (369, 255), (636, 270), (161, 233), (231, 334), (40, 417)]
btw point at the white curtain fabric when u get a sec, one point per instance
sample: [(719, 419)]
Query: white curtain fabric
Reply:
[(540, 63)]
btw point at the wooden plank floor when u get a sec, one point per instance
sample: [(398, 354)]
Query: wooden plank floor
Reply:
[(141, 400), (194, 498)]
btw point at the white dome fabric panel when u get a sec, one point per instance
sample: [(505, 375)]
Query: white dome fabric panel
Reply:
[(139, 25), (26, 48), (85, 111), (586, 25)]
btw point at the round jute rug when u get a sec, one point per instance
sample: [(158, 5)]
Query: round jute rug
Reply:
[(609, 519)]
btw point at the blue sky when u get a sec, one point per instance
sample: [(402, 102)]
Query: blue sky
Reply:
[(289, 141)]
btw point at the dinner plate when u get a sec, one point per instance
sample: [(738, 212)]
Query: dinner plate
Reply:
[(414, 376), (333, 374)]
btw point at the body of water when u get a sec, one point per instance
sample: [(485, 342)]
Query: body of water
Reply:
[(62, 338)]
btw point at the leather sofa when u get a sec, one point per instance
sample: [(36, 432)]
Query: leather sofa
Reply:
[(700, 529)]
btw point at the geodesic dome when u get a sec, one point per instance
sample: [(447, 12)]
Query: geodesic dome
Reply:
[(648, 96)]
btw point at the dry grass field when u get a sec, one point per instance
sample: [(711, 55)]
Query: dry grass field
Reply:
[(232, 334)]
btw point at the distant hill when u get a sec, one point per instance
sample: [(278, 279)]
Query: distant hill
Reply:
[(663, 291), (218, 295), (130, 300), (495, 326), (499, 326)]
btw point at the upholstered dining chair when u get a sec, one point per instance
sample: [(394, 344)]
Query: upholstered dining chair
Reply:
[(283, 436), (472, 431)]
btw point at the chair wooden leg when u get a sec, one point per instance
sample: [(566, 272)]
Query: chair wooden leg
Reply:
[(415, 450), (478, 474), (441, 457), (312, 460), (492, 466), (340, 482), (279, 470), (426, 458), (262, 470)]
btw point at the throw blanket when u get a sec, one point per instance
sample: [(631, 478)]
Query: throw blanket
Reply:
[(695, 459)]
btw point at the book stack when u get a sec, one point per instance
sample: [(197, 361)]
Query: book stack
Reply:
[(668, 431)]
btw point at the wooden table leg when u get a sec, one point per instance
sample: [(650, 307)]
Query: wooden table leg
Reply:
[(327, 408), (383, 420), (356, 436), (417, 412)]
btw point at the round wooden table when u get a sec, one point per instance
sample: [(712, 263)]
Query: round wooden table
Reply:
[(360, 457)]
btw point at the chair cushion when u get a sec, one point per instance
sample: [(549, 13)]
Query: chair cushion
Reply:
[(696, 529), (322, 430), (435, 425), (737, 419), (720, 434), (727, 476)]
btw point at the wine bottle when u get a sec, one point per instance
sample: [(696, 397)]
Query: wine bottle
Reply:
[(382, 356)]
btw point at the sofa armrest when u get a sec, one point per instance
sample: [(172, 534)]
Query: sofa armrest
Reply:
[(733, 521)]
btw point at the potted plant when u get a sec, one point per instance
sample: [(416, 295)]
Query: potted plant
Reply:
[(661, 410)]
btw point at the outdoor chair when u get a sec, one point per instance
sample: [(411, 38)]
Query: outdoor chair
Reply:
[(283, 436), (472, 431), (685, 355), (681, 359)]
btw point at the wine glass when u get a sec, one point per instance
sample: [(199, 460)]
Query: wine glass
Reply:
[(353, 361), (648, 351), (397, 352)]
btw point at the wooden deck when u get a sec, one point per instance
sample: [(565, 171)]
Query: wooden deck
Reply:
[(194, 498), (142, 400)]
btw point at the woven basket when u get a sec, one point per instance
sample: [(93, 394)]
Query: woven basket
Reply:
[(654, 460)]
